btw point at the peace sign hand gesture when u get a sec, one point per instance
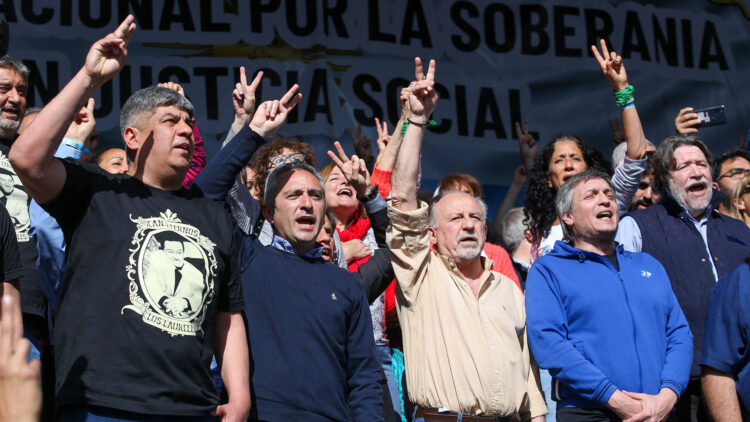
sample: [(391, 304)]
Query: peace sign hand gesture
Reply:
[(271, 114), (527, 144), (354, 170), (106, 57), (612, 67), (422, 95), (243, 96)]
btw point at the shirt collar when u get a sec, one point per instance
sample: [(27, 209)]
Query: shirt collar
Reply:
[(284, 245)]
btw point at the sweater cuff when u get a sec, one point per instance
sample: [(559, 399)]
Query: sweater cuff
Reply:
[(672, 386), (604, 397)]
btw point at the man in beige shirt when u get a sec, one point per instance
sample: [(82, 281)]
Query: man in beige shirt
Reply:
[(464, 326)]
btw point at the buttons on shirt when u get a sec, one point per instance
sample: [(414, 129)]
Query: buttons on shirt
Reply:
[(492, 347), (703, 259), (497, 372)]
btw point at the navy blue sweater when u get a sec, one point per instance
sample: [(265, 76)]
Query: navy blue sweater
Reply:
[(312, 353)]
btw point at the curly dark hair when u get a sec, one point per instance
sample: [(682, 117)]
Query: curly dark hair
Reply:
[(539, 205), (259, 162)]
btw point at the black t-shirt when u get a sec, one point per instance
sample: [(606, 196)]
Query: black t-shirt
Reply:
[(146, 272), (11, 266), (16, 200)]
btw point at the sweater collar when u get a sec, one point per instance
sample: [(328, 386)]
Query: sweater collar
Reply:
[(565, 249), (284, 245)]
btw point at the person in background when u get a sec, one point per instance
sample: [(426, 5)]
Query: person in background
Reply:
[(727, 170), (740, 201), (517, 240)]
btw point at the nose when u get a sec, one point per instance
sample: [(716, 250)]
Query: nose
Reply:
[(306, 202), (13, 96), (568, 164), (648, 192), (467, 224)]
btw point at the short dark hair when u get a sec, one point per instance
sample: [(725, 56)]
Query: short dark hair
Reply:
[(147, 100), (729, 155), (664, 157), (8, 62)]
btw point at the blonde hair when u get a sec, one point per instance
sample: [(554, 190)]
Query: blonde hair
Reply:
[(736, 193), (325, 173)]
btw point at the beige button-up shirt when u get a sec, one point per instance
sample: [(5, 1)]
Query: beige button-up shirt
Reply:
[(466, 354)]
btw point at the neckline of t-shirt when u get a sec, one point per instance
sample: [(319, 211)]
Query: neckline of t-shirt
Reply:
[(161, 192)]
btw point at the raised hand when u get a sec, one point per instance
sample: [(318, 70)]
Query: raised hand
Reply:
[(106, 57), (527, 144), (20, 391), (383, 136), (271, 114), (618, 132), (362, 144), (422, 95), (519, 176), (612, 66), (354, 170), (686, 121), (83, 124), (243, 96), (174, 86)]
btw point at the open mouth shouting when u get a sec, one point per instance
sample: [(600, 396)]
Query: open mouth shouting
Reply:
[(345, 191), (305, 222)]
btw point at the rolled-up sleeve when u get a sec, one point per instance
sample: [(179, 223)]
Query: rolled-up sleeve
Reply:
[(409, 242)]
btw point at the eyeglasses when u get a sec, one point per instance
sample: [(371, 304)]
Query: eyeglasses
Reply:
[(277, 160), (735, 173)]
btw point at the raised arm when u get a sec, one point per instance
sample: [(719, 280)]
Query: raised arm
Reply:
[(422, 100), (32, 154), (388, 146), (614, 69), (220, 173)]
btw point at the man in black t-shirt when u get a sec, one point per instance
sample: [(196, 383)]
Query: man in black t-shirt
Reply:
[(130, 343)]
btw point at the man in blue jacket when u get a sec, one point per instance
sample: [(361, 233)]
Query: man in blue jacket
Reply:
[(602, 320)]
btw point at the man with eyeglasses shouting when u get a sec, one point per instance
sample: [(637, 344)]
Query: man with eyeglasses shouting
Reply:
[(728, 169)]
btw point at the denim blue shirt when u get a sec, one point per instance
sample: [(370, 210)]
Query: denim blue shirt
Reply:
[(50, 241), (284, 245)]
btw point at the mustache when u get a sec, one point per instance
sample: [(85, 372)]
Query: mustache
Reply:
[(701, 181), (468, 236), (643, 201)]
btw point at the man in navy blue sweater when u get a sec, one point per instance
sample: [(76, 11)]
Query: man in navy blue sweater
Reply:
[(602, 320), (312, 353)]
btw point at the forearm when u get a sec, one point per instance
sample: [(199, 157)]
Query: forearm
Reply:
[(636, 141), (509, 201), (218, 176), (720, 391), (233, 358), (32, 154), (406, 170), (387, 159)]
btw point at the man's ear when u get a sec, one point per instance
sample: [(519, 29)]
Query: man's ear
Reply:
[(568, 219), (715, 185), (267, 214), (433, 235), (740, 204), (131, 139)]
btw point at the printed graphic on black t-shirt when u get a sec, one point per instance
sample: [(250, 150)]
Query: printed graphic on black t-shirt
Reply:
[(171, 271), (14, 198)]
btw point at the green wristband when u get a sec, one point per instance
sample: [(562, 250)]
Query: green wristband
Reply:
[(624, 97)]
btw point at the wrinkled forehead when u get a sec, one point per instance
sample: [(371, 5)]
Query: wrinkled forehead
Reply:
[(594, 184), (8, 74), (458, 203), (685, 153)]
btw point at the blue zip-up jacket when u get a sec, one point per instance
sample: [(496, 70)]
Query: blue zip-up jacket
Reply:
[(597, 329)]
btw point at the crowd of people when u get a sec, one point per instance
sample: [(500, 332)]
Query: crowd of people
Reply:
[(147, 283)]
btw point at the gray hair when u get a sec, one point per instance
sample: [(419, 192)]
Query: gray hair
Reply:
[(564, 198), (618, 154), (512, 229), (8, 62), (273, 183), (147, 100), (442, 194)]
